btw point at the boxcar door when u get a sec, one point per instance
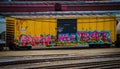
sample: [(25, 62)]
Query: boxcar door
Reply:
[(66, 27)]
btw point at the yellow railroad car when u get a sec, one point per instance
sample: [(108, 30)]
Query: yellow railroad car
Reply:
[(92, 30)]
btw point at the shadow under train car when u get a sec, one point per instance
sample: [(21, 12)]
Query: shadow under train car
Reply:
[(2, 45), (118, 41), (2, 40)]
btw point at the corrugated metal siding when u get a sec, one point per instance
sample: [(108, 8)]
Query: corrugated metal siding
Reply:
[(35, 27), (99, 24), (10, 30)]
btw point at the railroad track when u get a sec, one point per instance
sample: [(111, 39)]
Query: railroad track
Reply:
[(65, 61), (100, 65)]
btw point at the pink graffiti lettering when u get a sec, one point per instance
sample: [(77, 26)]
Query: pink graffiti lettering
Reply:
[(35, 40), (66, 37)]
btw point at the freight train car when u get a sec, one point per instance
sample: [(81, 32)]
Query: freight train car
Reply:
[(92, 30)]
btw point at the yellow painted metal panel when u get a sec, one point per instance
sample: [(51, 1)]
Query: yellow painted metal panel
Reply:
[(85, 26), (48, 26), (45, 27), (113, 31), (35, 28), (79, 26), (93, 26), (9, 18), (53, 29), (17, 26), (31, 28), (23, 27), (100, 26), (79, 20), (28, 27), (92, 19), (85, 20), (38, 28), (107, 25), (100, 19)]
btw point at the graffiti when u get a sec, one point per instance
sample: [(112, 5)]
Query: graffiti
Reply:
[(81, 38), (28, 40), (94, 37), (66, 37), (87, 37)]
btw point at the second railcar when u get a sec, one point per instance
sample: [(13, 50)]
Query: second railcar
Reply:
[(61, 31)]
